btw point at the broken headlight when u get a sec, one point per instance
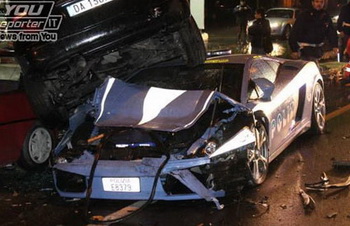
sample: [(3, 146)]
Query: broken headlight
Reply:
[(243, 138)]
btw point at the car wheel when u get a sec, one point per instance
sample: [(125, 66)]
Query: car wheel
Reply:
[(192, 43), (43, 105), (286, 32), (258, 158), (37, 148), (318, 114)]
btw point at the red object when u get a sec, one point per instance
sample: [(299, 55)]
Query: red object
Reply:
[(346, 72), (347, 50), (16, 119)]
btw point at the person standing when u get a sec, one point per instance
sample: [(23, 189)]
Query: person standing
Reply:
[(310, 30), (242, 12), (260, 33), (343, 26)]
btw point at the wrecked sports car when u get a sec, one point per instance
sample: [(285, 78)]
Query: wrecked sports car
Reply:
[(105, 38), (173, 133)]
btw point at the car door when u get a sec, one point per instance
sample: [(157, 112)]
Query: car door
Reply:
[(277, 103)]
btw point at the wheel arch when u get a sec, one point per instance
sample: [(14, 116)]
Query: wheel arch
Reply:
[(260, 115)]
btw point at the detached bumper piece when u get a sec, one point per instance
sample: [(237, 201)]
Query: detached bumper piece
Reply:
[(131, 180)]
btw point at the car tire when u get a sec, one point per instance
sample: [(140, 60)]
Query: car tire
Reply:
[(318, 114), (42, 103), (191, 38), (37, 148), (258, 159), (286, 32)]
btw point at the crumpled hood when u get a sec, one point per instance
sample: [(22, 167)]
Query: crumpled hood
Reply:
[(122, 104)]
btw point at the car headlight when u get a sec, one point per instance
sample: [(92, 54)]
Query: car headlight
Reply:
[(274, 25), (243, 138)]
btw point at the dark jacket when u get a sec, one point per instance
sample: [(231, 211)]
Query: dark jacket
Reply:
[(344, 16), (259, 29), (313, 26)]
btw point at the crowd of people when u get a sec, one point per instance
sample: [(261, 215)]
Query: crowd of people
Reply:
[(311, 31)]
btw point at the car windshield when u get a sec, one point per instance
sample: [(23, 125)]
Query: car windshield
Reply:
[(224, 78), (280, 13)]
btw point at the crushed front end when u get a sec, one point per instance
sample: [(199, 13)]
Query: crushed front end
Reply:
[(205, 143)]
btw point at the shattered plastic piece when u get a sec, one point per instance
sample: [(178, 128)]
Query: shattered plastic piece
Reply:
[(324, 184), (308, 201), (267, 208), (341, 164), (263, 203), (283, 206), (332, 215)]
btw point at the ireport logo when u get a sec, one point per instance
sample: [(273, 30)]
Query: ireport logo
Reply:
[(29, 21)]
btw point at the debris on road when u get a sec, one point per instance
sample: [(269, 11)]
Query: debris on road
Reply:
[(261, 207), (341, 164), (346, 137), (308, 201), (283, 206), (332, 215), (324, 184)]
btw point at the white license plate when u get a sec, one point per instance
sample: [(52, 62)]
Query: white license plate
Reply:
[(121, 184), (84, 6)]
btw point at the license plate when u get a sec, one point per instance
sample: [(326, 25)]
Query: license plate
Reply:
[(83, 6), (121, 184)]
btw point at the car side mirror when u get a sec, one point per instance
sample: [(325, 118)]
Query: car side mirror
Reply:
[(266, 87)]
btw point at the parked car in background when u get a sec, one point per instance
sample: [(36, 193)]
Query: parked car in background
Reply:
[(281, 21), (23, 138)]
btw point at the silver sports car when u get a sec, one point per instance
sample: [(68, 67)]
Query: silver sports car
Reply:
[(173, 132)]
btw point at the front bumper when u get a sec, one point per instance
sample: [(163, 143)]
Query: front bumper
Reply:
[(144, 169)]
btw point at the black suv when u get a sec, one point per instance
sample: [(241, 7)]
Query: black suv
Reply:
[(115, 39)]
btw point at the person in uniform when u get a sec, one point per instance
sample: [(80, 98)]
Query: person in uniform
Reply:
[(343, 26), (311, 29)]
